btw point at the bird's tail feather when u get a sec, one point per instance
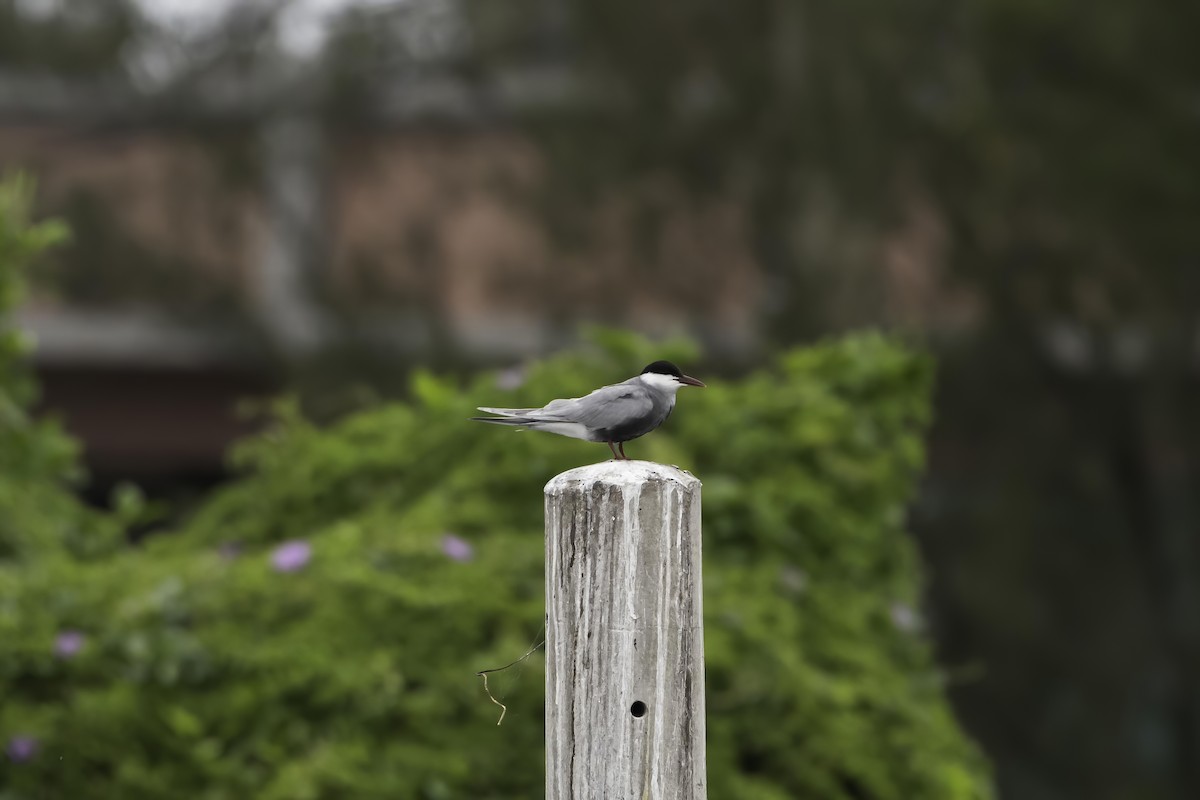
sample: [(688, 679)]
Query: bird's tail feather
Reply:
[(508, 412), (518, 421), (573, 429)]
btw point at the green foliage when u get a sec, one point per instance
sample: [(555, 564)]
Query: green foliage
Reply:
[(218, 659), (20, 242), (38, 461)]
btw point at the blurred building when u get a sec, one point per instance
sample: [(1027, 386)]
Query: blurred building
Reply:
[(216, 246)]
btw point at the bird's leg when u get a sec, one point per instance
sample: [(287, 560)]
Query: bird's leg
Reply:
[(622, 447), (614, 451)]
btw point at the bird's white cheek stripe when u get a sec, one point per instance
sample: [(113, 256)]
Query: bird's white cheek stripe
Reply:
[(662, 382)]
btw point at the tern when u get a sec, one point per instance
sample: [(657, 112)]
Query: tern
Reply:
[(612, 414)]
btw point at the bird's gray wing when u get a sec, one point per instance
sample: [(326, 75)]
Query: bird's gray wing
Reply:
[(607, 407)]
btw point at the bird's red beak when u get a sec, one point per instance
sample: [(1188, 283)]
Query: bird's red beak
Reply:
[(689, 381)]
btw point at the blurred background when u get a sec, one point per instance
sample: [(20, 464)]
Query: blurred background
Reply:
[(320, 195)]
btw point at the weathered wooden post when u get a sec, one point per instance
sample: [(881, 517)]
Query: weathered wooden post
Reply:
[(624, 634)]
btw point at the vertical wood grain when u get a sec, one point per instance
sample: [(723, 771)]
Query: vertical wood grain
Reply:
[(624, 634)]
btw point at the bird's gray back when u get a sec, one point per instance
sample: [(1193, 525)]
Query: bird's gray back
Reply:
[(620, 412), (606, 406)]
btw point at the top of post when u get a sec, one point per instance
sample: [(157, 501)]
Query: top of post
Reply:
[(621, 474)]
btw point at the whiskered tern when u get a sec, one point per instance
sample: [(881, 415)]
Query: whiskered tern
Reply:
[(612, 414)]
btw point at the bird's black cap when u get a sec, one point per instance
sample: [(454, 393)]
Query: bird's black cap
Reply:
[(663, 368)]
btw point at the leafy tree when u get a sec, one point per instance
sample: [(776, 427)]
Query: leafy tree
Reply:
[(74, 37), (39, 463)]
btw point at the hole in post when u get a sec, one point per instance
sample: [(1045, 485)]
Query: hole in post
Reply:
[(638, 709)]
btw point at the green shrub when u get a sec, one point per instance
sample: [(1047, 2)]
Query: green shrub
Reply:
[(313, 633), (38, 461)]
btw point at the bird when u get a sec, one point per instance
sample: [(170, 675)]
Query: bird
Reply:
[(611, 414)]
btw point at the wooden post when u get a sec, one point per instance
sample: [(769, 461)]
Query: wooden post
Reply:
[(624, 634)]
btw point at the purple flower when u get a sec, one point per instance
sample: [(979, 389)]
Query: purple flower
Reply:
[(68, 643), (291, 556), (22, 748), (457, 548)]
